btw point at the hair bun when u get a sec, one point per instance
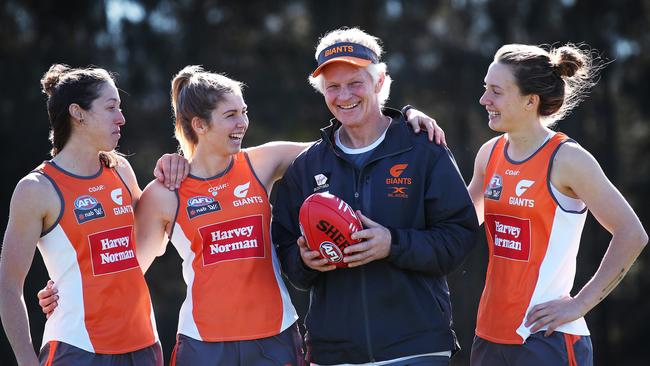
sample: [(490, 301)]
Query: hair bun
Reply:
[(568, 61), (52, 77)]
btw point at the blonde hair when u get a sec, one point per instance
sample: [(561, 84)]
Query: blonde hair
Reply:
[(196, 93), (355, 35)]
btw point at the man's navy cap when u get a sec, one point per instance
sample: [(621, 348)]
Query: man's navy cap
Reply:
[(352, 53)]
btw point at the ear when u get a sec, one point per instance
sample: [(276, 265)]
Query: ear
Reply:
[(199, 125), (532, 102), (380, 82), (75, 111)]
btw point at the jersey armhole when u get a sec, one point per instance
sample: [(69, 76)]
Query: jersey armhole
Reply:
[(487, 162), (494, 146), (552, 189), (124, 183), (250, 165), (61, 199), (173, 222)]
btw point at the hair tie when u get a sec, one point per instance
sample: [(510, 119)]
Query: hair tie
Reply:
[(557, 70)]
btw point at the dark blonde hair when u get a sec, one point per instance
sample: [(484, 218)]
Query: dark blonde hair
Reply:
[(561, 77), (64, 86), (196, 93)]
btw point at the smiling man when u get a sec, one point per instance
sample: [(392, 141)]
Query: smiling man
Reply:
[(391, 305)]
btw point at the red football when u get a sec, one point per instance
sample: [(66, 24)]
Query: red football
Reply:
[(327, 222)]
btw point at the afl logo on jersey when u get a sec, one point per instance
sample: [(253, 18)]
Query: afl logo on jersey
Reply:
[(87, 208), (199, 201), (200, 205), (494, 188), (85, 202)]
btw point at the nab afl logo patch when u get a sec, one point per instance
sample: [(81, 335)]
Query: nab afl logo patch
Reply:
[(201, 205), (87, 208), (85, 202), (494, 188)]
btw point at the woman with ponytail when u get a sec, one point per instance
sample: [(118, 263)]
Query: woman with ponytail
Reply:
[(237, 310), (77, 208), (532, 187)]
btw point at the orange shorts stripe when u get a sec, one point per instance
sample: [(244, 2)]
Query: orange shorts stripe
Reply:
[(52, 351), (570, 340), (172, 359)]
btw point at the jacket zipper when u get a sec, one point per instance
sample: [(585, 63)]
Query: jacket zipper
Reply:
[(364, 301), (356, 177)]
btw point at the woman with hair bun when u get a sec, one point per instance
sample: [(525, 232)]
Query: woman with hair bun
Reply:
[(77, 208), (532, 187)]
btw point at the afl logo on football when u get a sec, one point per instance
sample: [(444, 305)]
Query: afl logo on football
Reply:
[(85, 202), (331, 252), (199, 201)]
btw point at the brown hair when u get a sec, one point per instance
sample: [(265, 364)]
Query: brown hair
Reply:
[(561, 77), (64, 86), (196, 93)]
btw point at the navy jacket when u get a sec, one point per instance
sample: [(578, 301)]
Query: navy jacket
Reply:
[(397, 306)]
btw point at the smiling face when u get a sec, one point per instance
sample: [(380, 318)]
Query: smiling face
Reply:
[(228, 125), (502, 99), (350, 94), (102, 122)]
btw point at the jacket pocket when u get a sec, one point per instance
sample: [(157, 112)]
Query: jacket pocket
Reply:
[(429, 287)]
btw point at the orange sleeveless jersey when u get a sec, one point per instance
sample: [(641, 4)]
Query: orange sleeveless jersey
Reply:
[(533, 243), (104, 304), (234, 287)]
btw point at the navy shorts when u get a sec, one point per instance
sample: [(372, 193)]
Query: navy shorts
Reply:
[(59, 353), (557, 349), (283, 349)]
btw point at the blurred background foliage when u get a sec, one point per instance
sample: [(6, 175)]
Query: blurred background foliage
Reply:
[(437, 53)]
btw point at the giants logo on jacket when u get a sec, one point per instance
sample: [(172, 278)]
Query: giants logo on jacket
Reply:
[(396, 184)]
